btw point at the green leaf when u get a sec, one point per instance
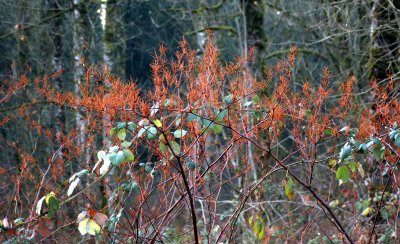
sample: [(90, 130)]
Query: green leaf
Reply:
[(151, 132), (112, 131), (343, 174), (148, 169), (121, 125), (190, 164), (83, 173), (376, 141), (117, 158), (259, 228), (126, 144), (367, 211), (345, 152), (162, 147), (72, 186), (192, 117), (255, 99), (101, 155), (122, 134), (334, 203), (228, 99), (132, 126), (157, 123), (221, 114), (378, 152), (353, 131), (53, 204), (328, 132), (353, 166), (217, 129), (397, 141), (175, 147), (39, 205), (128, 155), (332, 163), (132, 186), (141, 131), (289, 188), (308, 113), (89, 226), (208, 123), (361, 147), (180, 133)]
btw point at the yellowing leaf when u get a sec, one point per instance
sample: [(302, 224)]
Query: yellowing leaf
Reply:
[(288, 185), (51, 194), (367, 211), (81, 216), (157, 122), (259, 228), (88, 226)]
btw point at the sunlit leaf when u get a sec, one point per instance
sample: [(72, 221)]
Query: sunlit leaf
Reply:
[(175, 147), (88, 226), (82, 173), (122, 134), (345, 152), (52, 203), (81, 216), (48, 196), (126, 144), (367, 211), (39, 205), (343, 174), (141, 132), (332, 163), (334, 203), (121, 125), (157, 123), (101, 154), (228, 99), (151, 132), (118, 158), (180, 133), (353, 166), (72, 186), (217, 129), (246, 104), (105, 167), (258, 227), (128, 155), (112, 131)]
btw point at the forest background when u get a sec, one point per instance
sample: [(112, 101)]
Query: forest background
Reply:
[(136, 121)]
